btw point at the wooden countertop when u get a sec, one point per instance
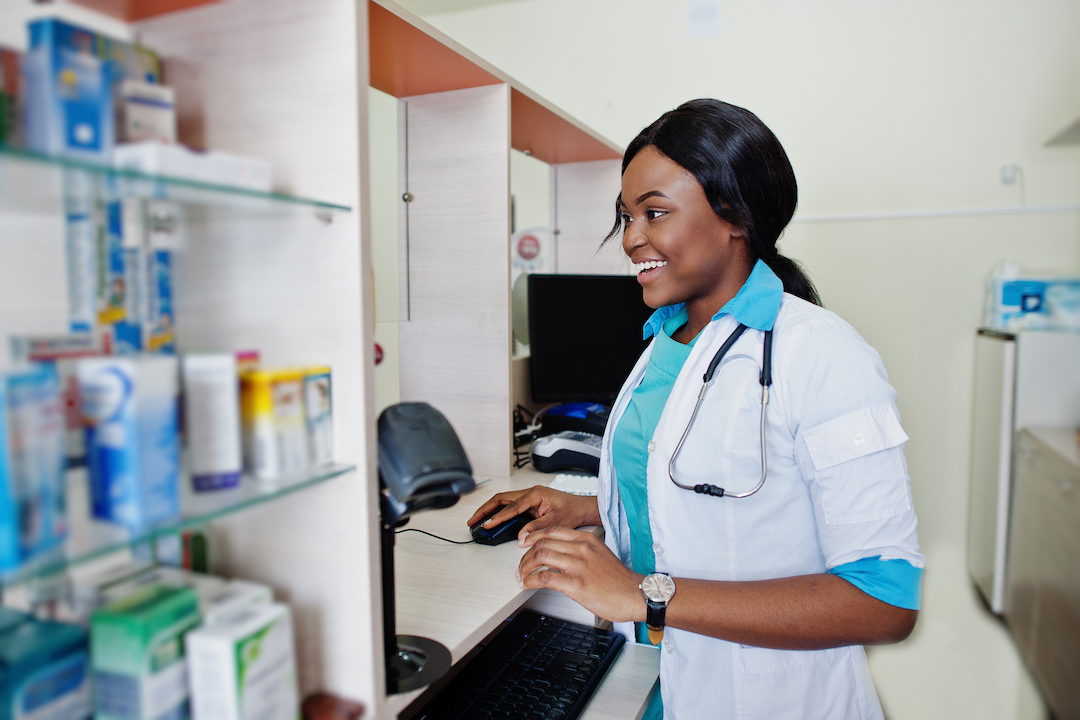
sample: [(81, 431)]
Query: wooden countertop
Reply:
[(459, 594)]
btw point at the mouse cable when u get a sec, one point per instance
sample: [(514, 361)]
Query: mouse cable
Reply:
[(425, 532)]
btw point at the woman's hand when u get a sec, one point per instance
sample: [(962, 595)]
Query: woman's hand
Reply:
[(550, 508), (583, 569)]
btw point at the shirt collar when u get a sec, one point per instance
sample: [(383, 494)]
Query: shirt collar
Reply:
[(755, 305)]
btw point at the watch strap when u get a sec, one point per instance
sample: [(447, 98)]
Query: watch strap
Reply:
[(654, 620)]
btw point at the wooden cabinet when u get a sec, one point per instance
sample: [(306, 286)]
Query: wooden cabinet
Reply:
[(1043, 583)]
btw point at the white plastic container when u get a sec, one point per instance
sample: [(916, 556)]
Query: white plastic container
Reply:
[(212, 412)]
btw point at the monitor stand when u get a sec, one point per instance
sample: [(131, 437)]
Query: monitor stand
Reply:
[(411, 662)]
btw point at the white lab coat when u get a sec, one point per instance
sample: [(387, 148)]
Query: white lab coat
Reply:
[(837, 491)]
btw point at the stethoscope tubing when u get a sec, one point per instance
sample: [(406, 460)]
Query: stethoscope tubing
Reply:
[(765, 379)]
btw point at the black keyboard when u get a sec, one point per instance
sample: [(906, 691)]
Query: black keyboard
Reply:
[(537, 667)]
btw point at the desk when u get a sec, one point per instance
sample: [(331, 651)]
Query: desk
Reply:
[(459, 594)]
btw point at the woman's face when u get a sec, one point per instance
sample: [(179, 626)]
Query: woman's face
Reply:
[(682, 251)]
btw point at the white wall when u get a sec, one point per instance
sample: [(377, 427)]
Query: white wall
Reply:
[(884, 107)]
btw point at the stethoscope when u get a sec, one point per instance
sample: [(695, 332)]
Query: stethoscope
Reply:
[(765, 379)]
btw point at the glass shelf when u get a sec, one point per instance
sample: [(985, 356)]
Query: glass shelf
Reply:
[(89, 539), (33, 183)]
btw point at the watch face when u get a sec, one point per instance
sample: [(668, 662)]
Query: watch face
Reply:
[(658, 587)]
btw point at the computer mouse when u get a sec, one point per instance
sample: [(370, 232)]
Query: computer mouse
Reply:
[(499, 534)]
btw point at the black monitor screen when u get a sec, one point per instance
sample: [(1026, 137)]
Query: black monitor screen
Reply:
[(584, 335)]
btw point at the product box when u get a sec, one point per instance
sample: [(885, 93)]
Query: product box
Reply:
[(244, 667), (86, 240), (212, 420), (177, 161), (137, 654), (319, 416), (146, 111), (235, 596), (122, 280), (274, 429), (44, 672), (67, 98), (10, 97), (62, 351), (130, 405), (1033, 303), (88, 591), (33, 516)]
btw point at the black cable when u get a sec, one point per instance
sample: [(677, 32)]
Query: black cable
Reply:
[(425, 532)]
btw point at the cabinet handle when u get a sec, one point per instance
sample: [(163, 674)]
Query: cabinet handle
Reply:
[(407, 197)]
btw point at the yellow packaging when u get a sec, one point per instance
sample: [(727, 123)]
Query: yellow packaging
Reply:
[(272, 416)]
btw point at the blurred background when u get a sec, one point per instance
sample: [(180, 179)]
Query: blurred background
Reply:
[(899, 118)]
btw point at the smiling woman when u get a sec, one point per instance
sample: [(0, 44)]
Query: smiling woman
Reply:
[(762, 577)]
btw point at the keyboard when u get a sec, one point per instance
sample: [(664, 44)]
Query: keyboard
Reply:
[(538, 668), (575, 484)]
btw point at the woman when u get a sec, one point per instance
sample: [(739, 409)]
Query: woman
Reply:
[(777, 585)]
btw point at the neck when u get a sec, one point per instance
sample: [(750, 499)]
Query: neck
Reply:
[(700, 312)]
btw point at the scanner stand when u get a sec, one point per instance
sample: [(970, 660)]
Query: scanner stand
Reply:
[(411, 662)]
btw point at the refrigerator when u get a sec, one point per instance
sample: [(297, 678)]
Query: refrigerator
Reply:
[(1025, 378)]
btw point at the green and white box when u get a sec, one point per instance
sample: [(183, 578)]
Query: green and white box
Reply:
[(244, 666), (137, 653)]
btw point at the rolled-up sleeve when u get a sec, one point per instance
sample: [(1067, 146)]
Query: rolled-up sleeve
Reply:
[(849, 445)]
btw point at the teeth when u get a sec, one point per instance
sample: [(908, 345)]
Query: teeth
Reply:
[(650, 265)]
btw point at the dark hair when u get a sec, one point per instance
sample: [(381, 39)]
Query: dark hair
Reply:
[(744, 171)]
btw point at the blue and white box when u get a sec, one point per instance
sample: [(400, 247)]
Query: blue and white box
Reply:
[(131, 408), (44, 672), (68, 106), (33, 516)]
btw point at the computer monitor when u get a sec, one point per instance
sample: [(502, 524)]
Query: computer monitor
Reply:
[(584, 335)]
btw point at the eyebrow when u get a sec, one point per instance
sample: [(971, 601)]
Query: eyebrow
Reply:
[(642, 198)]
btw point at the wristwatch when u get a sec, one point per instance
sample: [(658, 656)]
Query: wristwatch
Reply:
[(658, 589)]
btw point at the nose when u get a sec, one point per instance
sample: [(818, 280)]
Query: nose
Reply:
[(633, 238)]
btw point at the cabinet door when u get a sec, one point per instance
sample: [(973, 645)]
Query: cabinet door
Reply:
[(1022, 581), (1056, 641)]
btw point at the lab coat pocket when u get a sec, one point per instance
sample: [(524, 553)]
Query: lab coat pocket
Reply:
[(859, 466), (797, 685)]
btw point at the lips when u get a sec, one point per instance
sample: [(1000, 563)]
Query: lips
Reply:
[(648, 269)]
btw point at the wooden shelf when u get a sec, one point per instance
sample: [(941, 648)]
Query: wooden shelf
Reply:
[(409, 57), (133, 10)]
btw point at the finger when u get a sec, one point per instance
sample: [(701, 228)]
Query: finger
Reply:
[(551, 531), (524, 501), (493, 503), (554, 559)]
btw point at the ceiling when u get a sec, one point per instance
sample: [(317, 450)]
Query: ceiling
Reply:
[(430, 7)]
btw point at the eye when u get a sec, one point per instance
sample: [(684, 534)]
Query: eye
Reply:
[(625, 219), (654, 214)]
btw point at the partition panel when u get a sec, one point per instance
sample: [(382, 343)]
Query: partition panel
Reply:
[(584, 207), (455, 344)]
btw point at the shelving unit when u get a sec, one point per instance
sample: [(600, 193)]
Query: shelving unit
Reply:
[(33, 183), (288, 82), (90, 540)]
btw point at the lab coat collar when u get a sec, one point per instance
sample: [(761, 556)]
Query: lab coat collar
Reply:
[(755, 305)]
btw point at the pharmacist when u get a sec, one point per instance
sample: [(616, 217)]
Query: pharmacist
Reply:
[(753, 487)]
